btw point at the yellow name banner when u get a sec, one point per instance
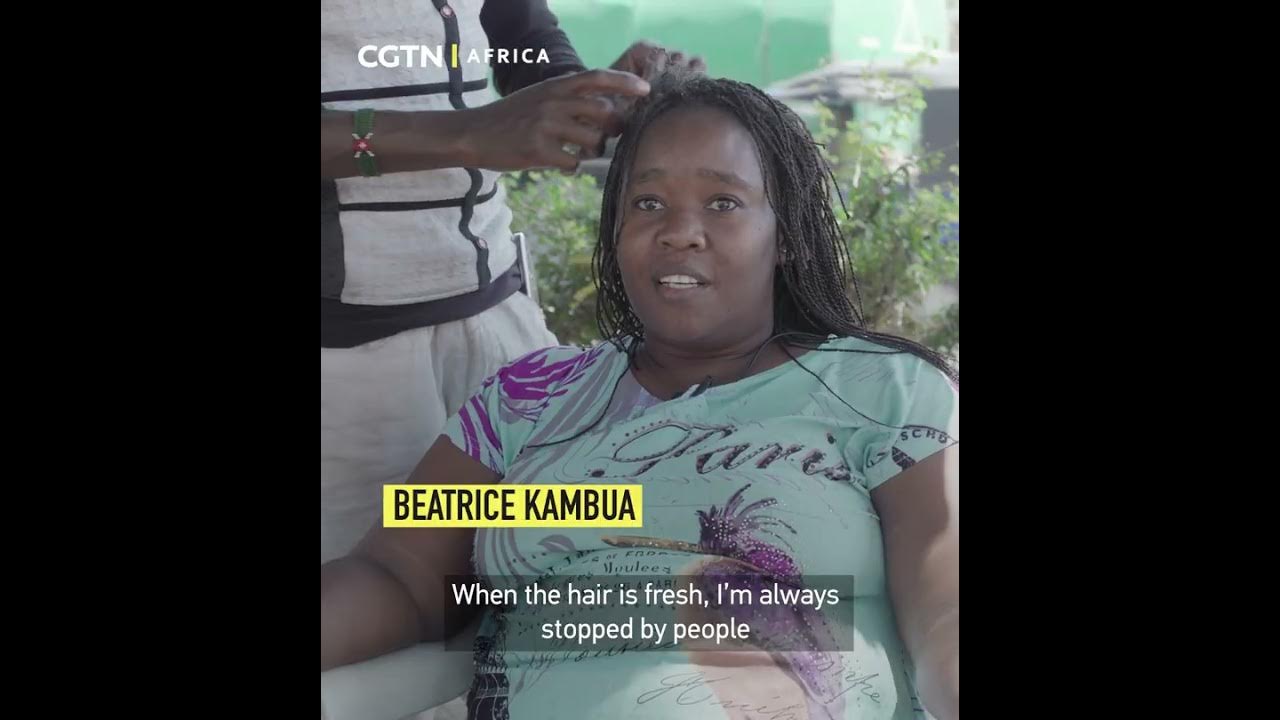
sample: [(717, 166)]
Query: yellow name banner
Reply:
[(512, 506)]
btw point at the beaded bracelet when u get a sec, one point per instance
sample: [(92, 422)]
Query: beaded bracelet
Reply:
[(363, 149)]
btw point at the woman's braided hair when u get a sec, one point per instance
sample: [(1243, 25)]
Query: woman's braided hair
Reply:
[(810, 299)]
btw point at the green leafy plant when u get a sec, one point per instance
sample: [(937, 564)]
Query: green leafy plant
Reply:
[(560, 215)]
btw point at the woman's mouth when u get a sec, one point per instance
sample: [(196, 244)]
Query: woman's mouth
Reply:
[(680, 282)]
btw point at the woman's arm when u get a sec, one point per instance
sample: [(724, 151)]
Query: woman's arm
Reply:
[(390, 592), (920, 518)]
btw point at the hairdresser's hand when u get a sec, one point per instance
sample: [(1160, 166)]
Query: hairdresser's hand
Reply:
[(531, 128), (647, 60)]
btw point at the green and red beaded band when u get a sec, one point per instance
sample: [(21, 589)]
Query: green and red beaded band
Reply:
[(363, 148)]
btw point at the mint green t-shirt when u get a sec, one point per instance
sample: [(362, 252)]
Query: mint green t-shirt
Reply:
[(775, 470)]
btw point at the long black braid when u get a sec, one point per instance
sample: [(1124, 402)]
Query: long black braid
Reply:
[(810, 299)]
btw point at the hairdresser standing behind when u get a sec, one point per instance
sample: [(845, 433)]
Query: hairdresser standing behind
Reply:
[(419, 281)]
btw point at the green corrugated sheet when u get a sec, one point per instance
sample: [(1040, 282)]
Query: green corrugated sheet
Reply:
[(756, 41)]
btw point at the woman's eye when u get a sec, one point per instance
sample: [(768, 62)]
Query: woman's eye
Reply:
[(723, 204), (648, 203)]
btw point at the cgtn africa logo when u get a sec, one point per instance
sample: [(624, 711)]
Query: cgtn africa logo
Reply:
[(394, 56)]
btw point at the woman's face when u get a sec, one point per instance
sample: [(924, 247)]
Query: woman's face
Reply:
[(697, 247)]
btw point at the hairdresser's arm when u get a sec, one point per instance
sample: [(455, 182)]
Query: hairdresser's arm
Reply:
[(524, 130), (390, 593), (519, 24), (920, 518)]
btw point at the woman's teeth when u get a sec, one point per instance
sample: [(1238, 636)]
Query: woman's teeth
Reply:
[(679, 281)]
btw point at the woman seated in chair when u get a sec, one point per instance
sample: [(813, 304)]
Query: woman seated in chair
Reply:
[(775, 437)]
